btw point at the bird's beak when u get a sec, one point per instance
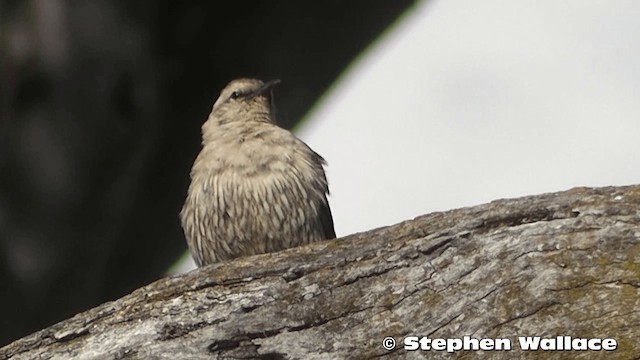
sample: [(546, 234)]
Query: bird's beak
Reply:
[(265, 88)]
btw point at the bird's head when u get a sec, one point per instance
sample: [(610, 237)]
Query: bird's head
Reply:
[(244, 97)]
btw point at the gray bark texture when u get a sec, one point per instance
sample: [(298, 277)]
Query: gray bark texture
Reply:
[(565, 263)]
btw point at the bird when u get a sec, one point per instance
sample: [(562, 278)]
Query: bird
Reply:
[(255, 187)]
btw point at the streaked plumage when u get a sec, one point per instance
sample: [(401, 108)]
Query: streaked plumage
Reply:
[(255, 187)]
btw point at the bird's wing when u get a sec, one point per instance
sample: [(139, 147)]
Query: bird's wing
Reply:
[(326, 219)]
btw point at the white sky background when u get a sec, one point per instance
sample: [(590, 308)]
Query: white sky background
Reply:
[(464, 102)]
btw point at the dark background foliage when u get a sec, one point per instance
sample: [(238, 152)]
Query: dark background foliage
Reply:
[(100, 108)]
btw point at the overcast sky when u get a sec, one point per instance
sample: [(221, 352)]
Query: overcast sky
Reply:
[(464, 102)]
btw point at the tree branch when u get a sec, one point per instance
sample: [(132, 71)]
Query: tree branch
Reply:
[(565, 263)]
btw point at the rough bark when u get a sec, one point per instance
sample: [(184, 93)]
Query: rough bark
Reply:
[(565, 263)]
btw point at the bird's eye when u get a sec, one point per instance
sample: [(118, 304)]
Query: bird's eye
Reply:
[(236, 94)]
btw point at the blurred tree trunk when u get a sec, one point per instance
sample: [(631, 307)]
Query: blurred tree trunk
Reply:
[(555, 264)]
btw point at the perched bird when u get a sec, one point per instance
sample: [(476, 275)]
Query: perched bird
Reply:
[(255, 187)]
